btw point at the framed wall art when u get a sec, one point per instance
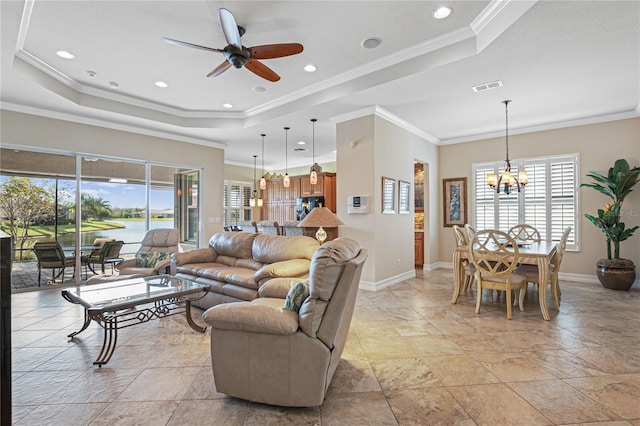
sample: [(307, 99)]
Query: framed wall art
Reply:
[(388, 195), (404, 196), (455, 201)]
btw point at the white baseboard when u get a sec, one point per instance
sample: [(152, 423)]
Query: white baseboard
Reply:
[(379, 285)]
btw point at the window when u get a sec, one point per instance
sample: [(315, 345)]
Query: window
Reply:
[(236, 202), (549, 202)]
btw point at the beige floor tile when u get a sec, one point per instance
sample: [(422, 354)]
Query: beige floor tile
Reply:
[(96, 385), (608, 360), (427, 406), (268, 415), (136, 413), (354, 376), (208, 412), (513, 367), (619, 393), (37, 387), (404, 373), (561, 403), (157, 384), (203, 386), (356, 409), (390, 347), (496, 404), (63, 414), (455, 370), (434, 345), (563, 364)]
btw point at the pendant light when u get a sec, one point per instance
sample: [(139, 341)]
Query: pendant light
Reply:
[(255, 200), (507, 179), (286, 182), (313, 173), (263, 180)]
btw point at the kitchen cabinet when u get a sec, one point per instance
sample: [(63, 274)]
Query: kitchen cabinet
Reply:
[(419, 249), (279, 203)]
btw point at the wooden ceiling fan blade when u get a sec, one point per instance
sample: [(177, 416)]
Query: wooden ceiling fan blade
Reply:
[(270, 51), (261, 70), (219, 69), (195, 46), (229, 27)]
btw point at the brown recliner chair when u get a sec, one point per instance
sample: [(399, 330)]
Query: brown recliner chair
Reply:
[(265, 353)]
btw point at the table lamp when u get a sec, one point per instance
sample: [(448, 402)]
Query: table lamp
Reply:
[(319, 217)]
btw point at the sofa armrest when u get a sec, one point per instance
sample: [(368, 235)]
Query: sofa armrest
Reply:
[(202, 255), (252, 317), (277, 287), (288, 268), (163, 267)]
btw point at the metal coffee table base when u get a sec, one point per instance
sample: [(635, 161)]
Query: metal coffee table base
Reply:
[(112, 321)]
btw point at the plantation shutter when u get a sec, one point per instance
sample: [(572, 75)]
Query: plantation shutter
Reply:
[(236, 202), (548, 202)]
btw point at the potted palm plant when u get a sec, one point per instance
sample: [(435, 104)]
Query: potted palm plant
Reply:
[(613, 272)]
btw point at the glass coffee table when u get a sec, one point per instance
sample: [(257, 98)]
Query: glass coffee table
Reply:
[(127, 302)]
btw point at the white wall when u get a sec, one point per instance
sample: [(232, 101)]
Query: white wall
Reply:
[(34, 131)]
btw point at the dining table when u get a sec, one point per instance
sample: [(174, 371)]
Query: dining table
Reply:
[(530, 253)]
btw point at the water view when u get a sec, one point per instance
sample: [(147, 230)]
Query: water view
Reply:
[(132, 234)]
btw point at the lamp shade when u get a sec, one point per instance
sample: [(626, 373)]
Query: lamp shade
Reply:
[(320, 216)]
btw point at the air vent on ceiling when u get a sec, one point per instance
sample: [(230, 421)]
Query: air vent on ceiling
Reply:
[(486, 86)]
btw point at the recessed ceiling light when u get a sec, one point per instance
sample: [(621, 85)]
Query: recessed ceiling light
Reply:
[(302, 143), (113, 84), (310, 68), (259, 89), (65, 55), (299, 150), (161, 84), (442, 12), (227, 105), (91, 74), (371, 43)]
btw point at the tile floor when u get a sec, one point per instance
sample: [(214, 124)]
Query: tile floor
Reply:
[(411, 358)]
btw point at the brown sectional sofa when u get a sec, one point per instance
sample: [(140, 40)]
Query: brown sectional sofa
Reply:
[(236, 264)]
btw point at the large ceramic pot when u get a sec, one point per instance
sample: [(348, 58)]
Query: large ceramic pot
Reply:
[(616, 274)]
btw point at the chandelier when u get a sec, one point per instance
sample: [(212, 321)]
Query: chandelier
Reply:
[(507, 179), (255, 199)]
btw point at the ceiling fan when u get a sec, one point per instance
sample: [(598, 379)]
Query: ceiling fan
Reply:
[(240, 56)]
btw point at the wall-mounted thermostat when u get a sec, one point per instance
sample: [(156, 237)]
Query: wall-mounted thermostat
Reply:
[(358, 204)]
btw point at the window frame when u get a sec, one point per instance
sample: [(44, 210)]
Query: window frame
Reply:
[(520, 197), (245, 196)]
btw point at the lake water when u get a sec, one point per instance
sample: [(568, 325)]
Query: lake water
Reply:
[(131, 235)]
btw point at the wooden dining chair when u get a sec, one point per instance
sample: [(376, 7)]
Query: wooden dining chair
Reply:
[(531, 272), (461, 240), (495, 256), (470, 230), (268, 227), (524, 232)]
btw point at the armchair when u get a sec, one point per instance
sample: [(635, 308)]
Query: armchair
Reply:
[(263, 352), (158, 244)]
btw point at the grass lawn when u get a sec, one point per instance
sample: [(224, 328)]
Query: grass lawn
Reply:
[(48, 231)]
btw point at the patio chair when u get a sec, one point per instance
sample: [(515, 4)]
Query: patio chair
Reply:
[(109, 253), (51, 256)]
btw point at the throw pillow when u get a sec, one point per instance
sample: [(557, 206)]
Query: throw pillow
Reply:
[(149, 259), (296, 296)]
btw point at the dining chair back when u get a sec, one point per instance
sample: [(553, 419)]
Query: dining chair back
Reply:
[(291, 228), (524, 232), (460, 238), (51, 256), (470, 230), (248, 226), (495, 255), (268, 227)]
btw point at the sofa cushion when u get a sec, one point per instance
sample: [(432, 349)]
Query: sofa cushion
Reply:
[(196, 268), (276, 248), (296, 295), (234, 244), (226, 260), (326, 267), (248, 263), (258, 316)]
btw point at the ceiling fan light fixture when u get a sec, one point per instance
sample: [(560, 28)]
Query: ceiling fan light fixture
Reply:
[(263, 180), (442, 12), (286, 182), (259, 89)]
